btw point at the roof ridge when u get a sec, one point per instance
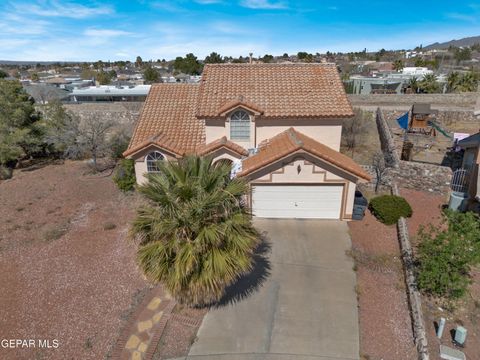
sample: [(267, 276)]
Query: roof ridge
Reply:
[(293, 136)]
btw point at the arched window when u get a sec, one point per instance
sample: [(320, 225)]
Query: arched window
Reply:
[(240, 126), (152, 160)]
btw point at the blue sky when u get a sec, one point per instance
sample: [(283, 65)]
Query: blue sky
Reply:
[(120, 30)]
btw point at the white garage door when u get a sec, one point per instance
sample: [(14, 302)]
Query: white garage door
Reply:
[(297, 201)]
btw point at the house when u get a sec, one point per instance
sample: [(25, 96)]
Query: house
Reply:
[(109, 93), (281, 124), (471, 162)]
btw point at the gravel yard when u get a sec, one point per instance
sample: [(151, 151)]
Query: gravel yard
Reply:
[(68, 269), (385, 327)]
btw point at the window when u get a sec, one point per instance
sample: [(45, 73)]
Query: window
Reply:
[(152, 160), (240, 126)]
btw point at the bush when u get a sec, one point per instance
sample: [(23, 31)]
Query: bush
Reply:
[(125, 175), (446, 254), (389, 208)]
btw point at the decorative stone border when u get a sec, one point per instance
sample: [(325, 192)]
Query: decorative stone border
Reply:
[(140, 337), (414, 299)]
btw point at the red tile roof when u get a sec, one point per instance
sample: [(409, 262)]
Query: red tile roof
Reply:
[(291, 141), (168, 120), (218, 144), (280, 90)]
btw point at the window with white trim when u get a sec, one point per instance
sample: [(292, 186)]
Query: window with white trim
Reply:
[(152, 160), (240, 126)]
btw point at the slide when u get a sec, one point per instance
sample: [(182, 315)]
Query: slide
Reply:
[(439, 129)]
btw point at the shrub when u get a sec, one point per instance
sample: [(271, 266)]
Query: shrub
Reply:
[(446, 254), (125, 175), (389, 208)]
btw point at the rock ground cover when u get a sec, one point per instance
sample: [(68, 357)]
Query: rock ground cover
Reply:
[(427, 209)]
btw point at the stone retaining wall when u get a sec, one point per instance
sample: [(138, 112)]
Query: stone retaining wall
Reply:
[(463, 100), (414, 298), (122, 113), (387, 143)]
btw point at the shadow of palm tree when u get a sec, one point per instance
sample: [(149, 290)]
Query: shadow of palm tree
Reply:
[(249, 283)]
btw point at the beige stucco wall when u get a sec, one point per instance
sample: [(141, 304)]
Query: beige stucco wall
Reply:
[(141, 165), (306, 169), (326, 131)]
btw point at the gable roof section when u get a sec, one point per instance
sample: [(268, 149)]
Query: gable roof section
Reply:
[(471, 141), (168, 120), (291, 141), (279, 90), (223, 142), (239, 103)]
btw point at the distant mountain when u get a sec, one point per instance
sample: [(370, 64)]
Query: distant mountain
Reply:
[(468, 41)]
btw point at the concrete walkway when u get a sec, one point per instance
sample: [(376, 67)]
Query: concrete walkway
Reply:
[(305, 309)]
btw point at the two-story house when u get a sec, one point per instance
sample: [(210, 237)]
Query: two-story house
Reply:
[(281, 124)]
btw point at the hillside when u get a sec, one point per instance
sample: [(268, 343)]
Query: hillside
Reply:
[(468, 41)]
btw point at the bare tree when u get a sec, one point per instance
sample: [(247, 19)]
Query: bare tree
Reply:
[(353, 128), (380, 168), (93, 136)]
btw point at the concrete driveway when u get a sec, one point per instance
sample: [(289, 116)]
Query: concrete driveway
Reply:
[(305, 309)]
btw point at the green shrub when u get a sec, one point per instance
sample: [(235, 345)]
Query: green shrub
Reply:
[(389, 208), (446, 255), (125, 175)]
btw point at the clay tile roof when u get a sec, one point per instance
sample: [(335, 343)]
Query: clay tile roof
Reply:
[(223, 142), (290, 141), (280, 90), (168, 120), (232, 104)]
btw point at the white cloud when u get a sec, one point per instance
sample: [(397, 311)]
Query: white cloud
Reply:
[(463, 17), (207, 2), (105, 32), (55, 8), (264, 4)]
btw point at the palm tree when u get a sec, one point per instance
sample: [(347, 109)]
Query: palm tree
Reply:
[(196, 234), (429, 84), (413, 84), (468, 82), (398, 65), (452, 81)]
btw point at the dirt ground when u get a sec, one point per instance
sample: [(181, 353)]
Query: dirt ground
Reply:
[(68, 269), (367, 141), (465, 312), (385, 327)]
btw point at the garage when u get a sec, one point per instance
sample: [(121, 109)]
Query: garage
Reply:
[(297, 201)]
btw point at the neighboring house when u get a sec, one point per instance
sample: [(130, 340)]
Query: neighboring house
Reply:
[(280, 124), (471, 162)]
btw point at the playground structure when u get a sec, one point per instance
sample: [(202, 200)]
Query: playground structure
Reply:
[(419, 124)]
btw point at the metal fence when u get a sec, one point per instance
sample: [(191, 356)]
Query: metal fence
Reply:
[(460, 180)]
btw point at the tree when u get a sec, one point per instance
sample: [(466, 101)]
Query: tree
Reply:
[(413, 84), (188, 65), (35, 77), (93, 137), (462, 54), (380, 168), (468, 82), (398, 65), (213, 58), (103, 78), (429, 84), (446, 254), (62, 131), (151, 75), (452, 81), (20, 133), (196, 234), (267, 58), (3, 74), (353, 128), (138, 62)]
